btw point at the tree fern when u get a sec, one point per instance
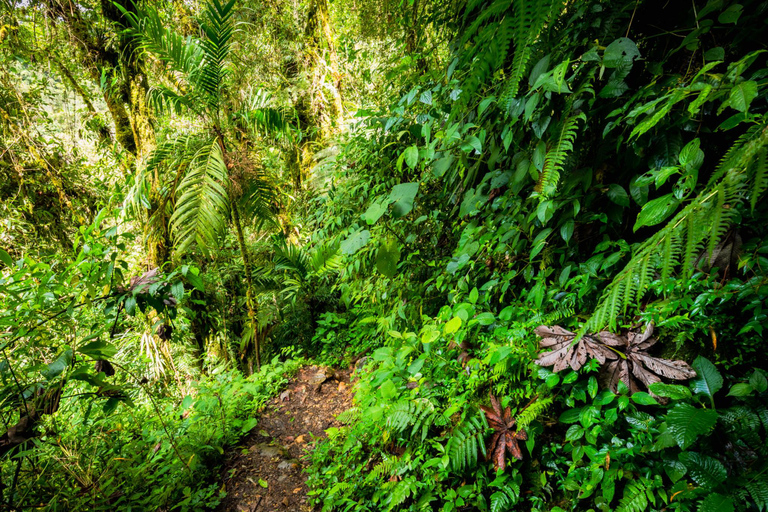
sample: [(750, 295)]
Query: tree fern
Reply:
[(202, 208), (705, 219)]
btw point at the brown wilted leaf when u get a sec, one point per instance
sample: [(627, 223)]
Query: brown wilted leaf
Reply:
[(504, 439), (636, 367), (640, 366), (565, 353)]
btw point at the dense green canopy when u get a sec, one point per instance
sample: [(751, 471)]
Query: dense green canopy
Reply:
[(535, 228)]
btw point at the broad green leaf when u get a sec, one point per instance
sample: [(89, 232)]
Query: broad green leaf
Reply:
[(566, 230), (708, 380), (570, 416), (758, 381), (686, 422), (741, 389), (98, 350), (742, 95), (55, 368), (706, 471), (673, 391), (374, 212), (656, 211), (6, 258), (388, 257), (411, 156), (715, 502), (388, 390), (443, 164), (177, 290), (622, 51), (355, 242), (539, 242), (731, 14), (618, 195), (472, 143), (485, 318), (643, 398), (402, 196), (452, 325), (717, 53)]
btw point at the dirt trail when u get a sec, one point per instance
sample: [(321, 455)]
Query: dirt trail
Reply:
[(265, 472)]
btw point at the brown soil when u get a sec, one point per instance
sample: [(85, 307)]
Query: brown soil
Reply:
[(265, 473)]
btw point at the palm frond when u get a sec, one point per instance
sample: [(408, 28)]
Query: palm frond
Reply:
[(202, 209)]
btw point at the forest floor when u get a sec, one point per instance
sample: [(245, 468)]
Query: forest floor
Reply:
[(265, 472)]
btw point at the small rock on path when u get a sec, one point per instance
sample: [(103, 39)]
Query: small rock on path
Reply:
[(274, 454)]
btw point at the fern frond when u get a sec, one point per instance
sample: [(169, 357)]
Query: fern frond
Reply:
[(555, 157), (761, 178), (634, 499), (465, 442), (530, 17), (706, 218), (533, 411)]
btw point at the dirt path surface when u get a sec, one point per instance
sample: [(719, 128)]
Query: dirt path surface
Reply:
[(265, 472)]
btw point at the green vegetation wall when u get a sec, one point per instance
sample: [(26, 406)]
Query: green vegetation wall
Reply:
[(594, 167)]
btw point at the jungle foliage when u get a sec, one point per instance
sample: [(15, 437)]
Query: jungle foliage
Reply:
[(536, 228)]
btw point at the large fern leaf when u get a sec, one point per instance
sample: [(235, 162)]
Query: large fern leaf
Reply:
[(202, 207), (704, 220)]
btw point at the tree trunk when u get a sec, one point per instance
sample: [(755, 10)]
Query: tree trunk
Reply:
[(250, 299), (320, 35)]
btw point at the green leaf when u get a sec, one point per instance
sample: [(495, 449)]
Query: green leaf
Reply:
[(731, 14), (60, 364), (758, 381), (374, 212), (443, 164), (708, 380), (656, 211), (570, 416), (485, 318), (742, 95), (715, 502), (673, 391), (620, 52), (355, 242), (539, 242), (706, 471), (177, 290), (388, 257), (643, 398), (98, 350), (263, 483), (686, 422), (452, 325), (6, 258), (618, 195), (402, 196), (471, 143), (740, 389), (411, 156), (566, 230), (717, 53)]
